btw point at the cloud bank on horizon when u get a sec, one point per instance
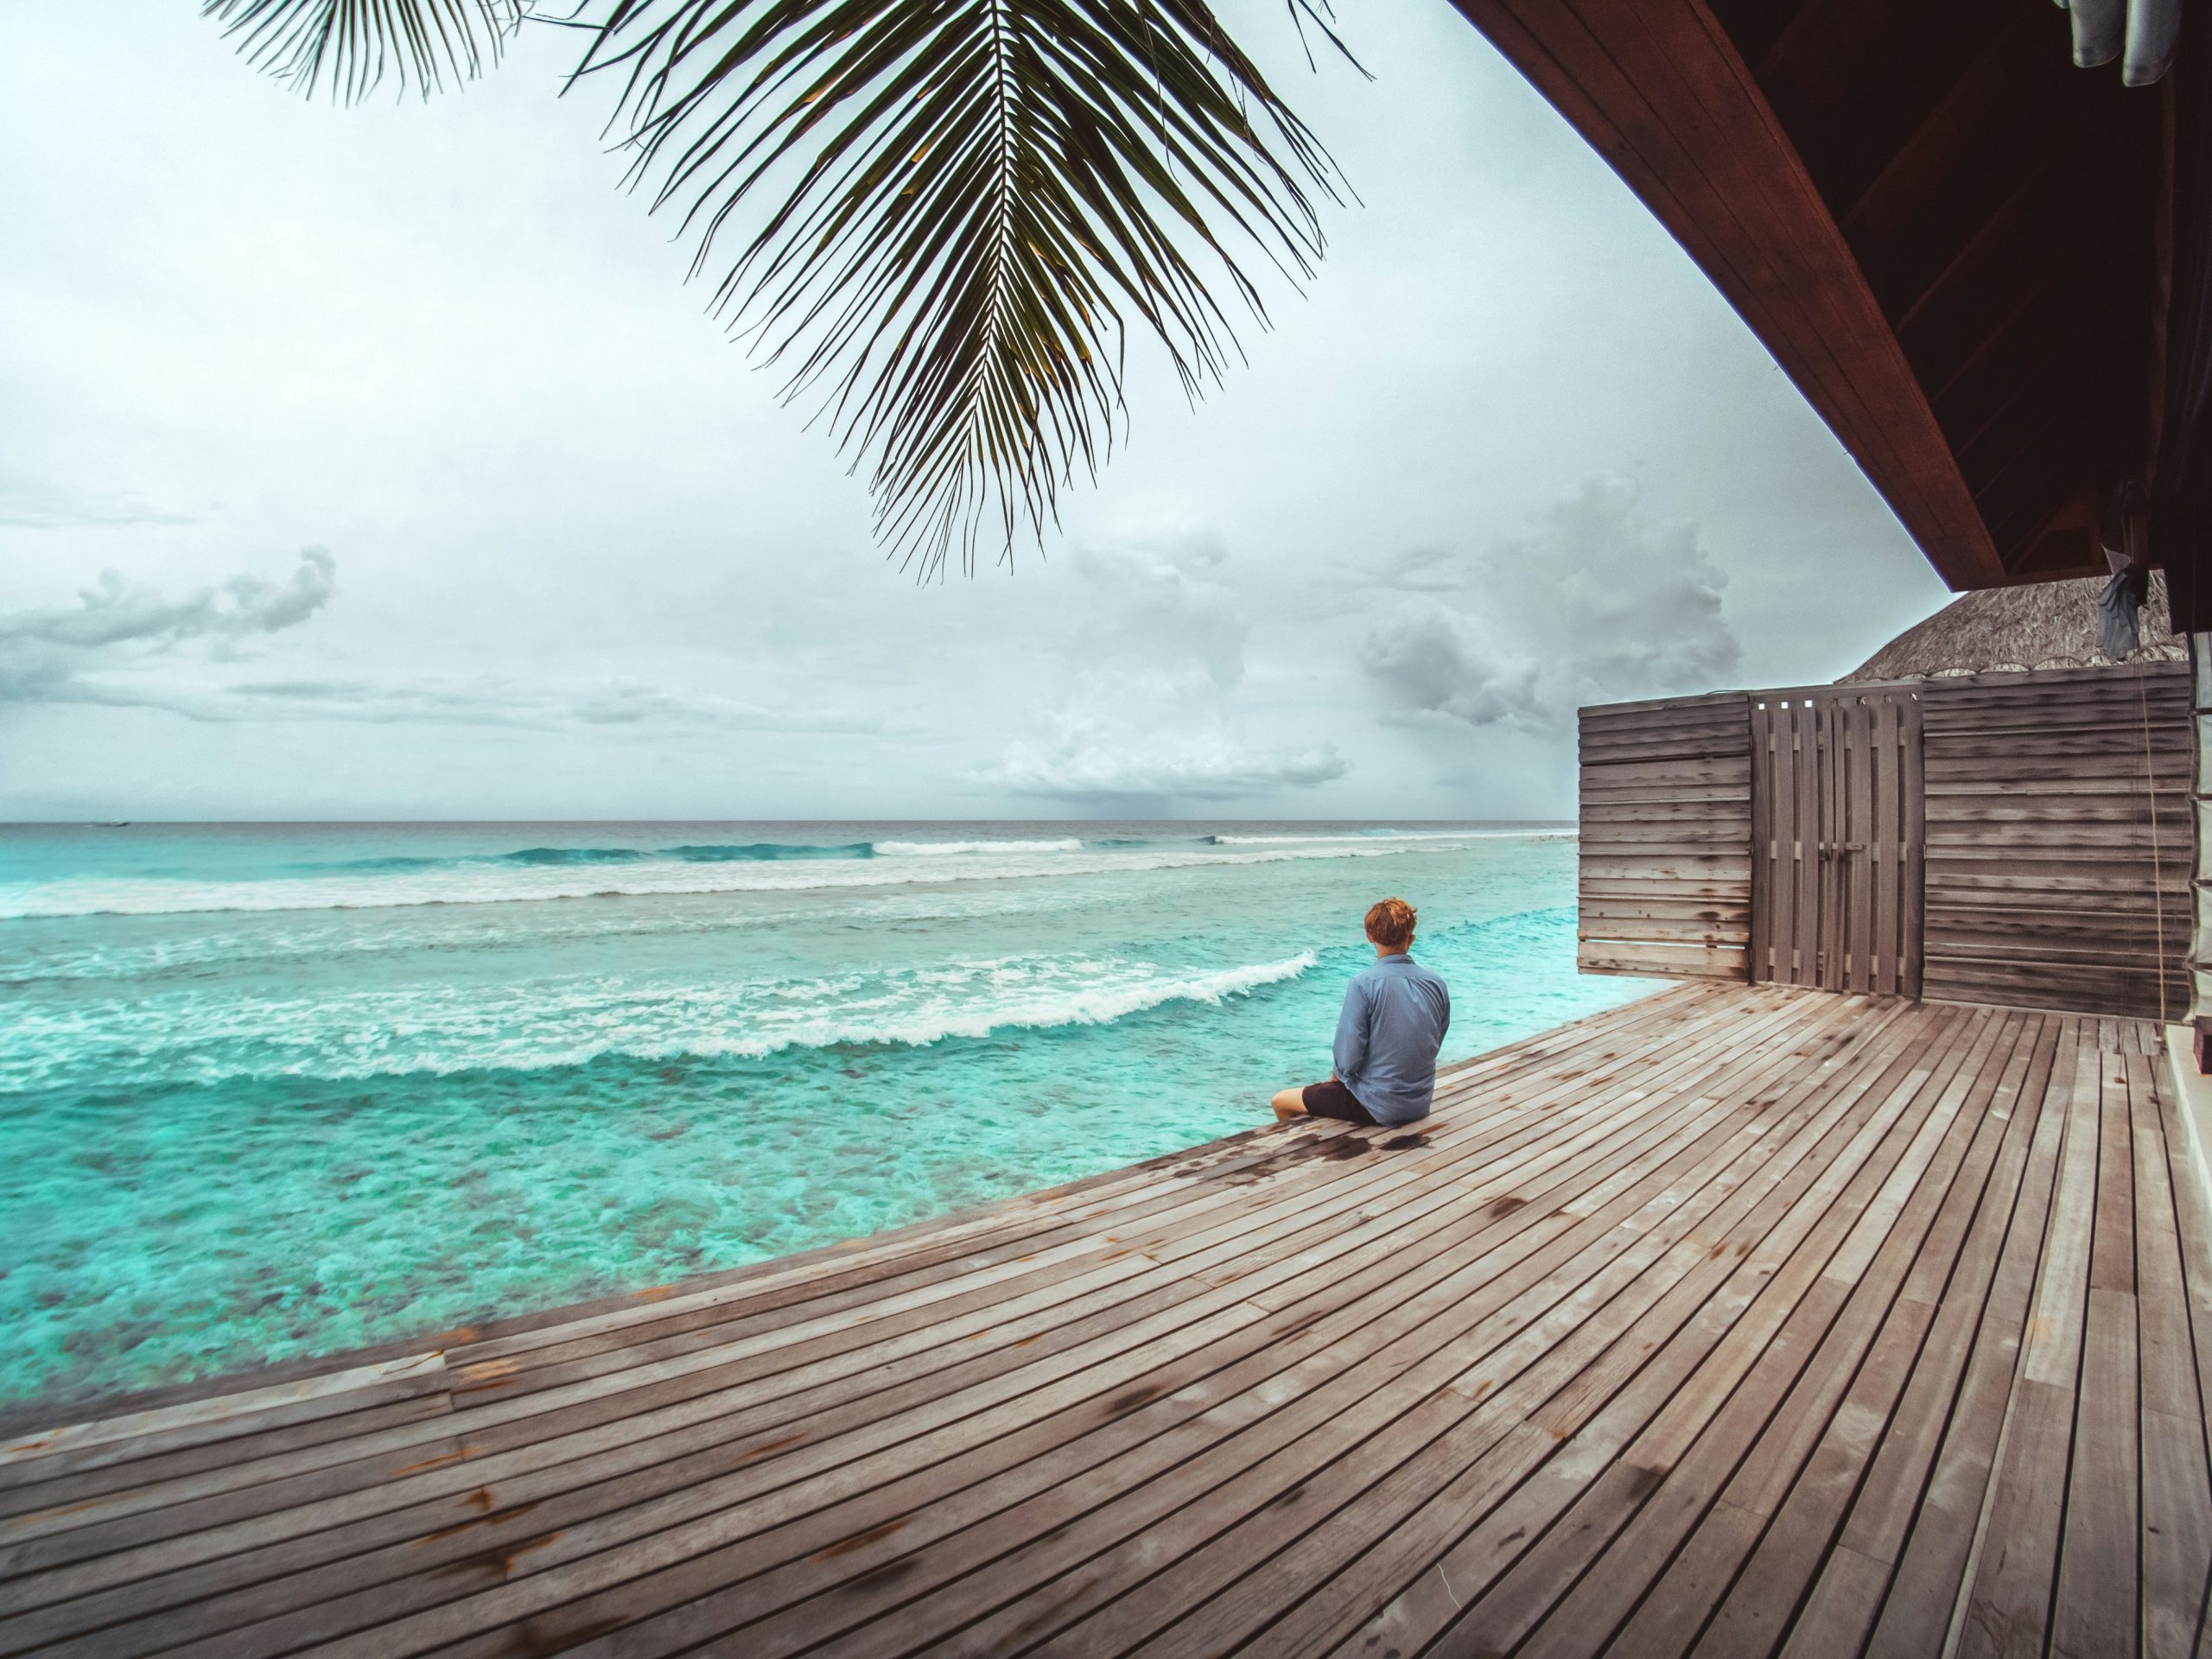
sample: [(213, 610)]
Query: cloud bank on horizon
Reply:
[(1511, 454), (1149, 720), (45, 654), (1602, 605)]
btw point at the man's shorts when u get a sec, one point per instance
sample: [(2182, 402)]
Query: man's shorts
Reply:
[(1333, 1099)]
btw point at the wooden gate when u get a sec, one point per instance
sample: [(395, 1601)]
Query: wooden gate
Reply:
[(1837, 839)]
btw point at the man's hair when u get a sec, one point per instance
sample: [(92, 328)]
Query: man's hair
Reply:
[(1391, 923)]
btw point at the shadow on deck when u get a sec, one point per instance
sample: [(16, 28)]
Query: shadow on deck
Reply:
[(1734, 1321)]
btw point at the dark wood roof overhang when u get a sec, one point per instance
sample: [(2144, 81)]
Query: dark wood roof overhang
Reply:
[(1955, 243)]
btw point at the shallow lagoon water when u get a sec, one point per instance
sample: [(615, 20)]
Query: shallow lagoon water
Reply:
[(270, 1091)]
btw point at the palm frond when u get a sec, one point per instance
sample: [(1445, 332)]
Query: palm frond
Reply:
[(350, 45), (975, 195), (970, 201)]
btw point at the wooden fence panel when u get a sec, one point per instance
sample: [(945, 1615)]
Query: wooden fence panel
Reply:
[(2060, 848), (2022, 839), (1666, 838)]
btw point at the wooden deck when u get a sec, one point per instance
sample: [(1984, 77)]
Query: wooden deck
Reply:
[(1735, 1321)]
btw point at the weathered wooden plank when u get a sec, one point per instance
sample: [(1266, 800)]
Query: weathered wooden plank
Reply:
[(1734, 815), (1664, 709), (1713, 893), (1669, 774), (2123, 1000), (2063, 962), (1662, 961), (1666, 821), (1600, 907), (1998, 813), (1889, 875), (1600, 786), (1808, 831), (2095, 1608), (2049, 841), (2108, 767), (2032, 720), (2023, 1521), (1690, 743), (2099, 697), (1760, 963), (1947, 874), (1913, 836), (2177, 1516), (2078, 774), (1861, 837), (1681, 876), (1599, 930), (2138, 927), (1665, 847), (2031, 985)]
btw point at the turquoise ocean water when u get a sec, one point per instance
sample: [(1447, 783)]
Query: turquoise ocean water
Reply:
[(276, 1090)]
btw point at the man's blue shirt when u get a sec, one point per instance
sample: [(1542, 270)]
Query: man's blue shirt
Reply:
[(1395, 1017)]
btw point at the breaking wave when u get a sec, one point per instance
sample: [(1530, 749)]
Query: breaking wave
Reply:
[(938, 848), (365, 1033), (512, 877)]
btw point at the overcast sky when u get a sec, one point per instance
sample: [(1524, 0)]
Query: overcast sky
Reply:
[(378, 463)]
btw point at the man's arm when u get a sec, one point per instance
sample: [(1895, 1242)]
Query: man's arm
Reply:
[(1351, 1033)]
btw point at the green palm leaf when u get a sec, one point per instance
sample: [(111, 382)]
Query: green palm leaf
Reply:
[(975, 194), (967, 205), (349, 45)]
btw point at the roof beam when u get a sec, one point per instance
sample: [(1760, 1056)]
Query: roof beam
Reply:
[(1659, 89)]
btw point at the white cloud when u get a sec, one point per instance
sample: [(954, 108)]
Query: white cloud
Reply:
[(45, 655), (114, 612), (1088, 757), (127, 644), (1604, 604), (491, 701), (1149, 716)]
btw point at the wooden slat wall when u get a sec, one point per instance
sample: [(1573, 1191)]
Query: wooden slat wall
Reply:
[(2058, 850), (1666, 878)]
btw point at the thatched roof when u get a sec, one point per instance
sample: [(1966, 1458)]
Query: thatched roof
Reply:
[(2041, 625)]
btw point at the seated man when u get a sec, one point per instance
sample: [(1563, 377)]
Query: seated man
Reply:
[(1394, 1020)]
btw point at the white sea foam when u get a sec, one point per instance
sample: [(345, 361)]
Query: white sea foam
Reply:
[(938, 848), (506, 884), (454, 1028), (1373, 837)]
